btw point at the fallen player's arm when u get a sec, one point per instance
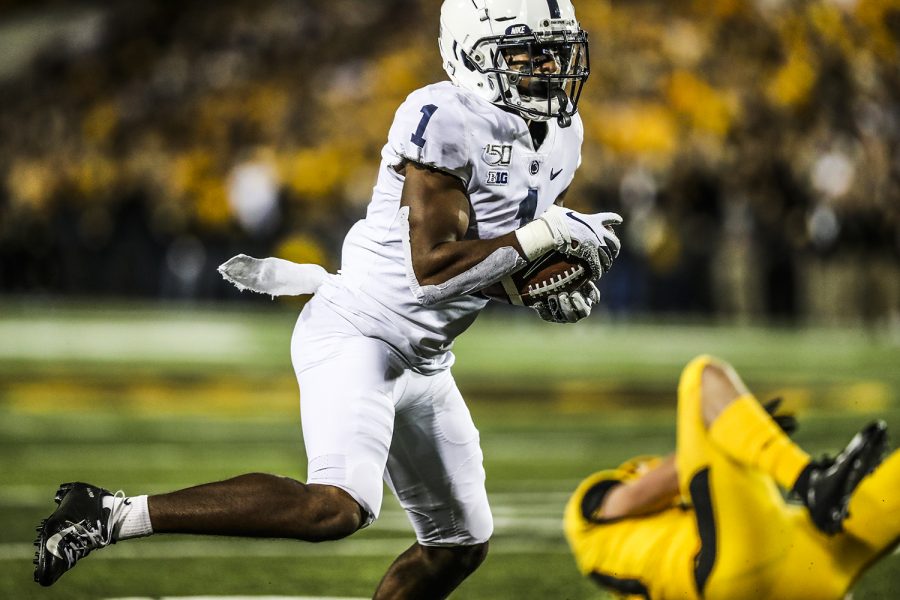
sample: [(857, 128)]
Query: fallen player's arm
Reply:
[(438, 221), (650, 493)]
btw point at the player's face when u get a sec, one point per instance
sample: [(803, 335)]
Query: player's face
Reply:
[(539, 60), (542, 61)]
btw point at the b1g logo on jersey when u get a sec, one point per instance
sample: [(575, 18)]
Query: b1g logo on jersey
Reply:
[(497, 154), (497, 178)]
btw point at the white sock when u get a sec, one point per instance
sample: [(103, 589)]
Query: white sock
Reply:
[(133, 520)]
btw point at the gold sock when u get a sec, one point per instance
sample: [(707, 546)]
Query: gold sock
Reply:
[(746, 433)]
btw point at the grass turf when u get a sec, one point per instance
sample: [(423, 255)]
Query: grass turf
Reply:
[(552, 404)]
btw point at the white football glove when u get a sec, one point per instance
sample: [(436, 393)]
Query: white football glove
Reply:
[(568, 307), (589, 237)]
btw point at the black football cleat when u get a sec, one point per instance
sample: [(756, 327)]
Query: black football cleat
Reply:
[(80, 524), (832, 482)]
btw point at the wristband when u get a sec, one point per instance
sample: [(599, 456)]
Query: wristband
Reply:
[(536, 239)]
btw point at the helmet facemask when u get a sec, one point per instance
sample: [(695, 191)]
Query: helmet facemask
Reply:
[(538, 75)]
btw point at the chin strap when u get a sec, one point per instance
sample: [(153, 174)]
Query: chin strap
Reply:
[(563, 118)]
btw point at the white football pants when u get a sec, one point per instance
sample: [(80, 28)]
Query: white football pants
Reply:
[(366, 417)]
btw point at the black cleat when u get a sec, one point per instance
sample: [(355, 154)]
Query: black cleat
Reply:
[(832, 482), (80, 524)]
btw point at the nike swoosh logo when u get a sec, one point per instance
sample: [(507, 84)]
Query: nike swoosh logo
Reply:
[(56, 538), (572, 216), (554, 175)]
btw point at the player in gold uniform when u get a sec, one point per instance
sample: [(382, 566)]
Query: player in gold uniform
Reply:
[(710, 522)]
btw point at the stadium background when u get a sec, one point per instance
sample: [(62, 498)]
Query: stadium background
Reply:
[(752, 148)]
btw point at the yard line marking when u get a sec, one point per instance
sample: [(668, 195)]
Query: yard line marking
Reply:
[(201, 341), (285, 549), (241, 598)]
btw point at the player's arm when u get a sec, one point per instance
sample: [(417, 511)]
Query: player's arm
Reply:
[(429, 134), (438, 220), (650, 493)]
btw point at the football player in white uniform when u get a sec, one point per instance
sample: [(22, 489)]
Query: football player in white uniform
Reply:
[(467, 168)]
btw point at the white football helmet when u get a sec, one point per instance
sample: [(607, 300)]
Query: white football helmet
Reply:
[(529, 55)]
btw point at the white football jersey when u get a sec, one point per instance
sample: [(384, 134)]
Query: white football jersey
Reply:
[(508, 184)]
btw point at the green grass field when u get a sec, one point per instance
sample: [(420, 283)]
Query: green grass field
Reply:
[(152, 399)]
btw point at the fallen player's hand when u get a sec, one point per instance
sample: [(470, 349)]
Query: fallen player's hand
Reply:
[(787, 421)]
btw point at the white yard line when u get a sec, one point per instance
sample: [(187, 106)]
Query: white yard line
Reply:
[(240, 598), (179, 550), (197, 341)]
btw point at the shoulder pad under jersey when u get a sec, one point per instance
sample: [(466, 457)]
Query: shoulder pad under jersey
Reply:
[(430, 128)]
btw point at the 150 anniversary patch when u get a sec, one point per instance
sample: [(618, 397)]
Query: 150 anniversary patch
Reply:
[(497, 154)]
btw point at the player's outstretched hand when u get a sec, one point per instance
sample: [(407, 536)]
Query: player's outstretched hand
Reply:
[(568, 307), (587, 236)]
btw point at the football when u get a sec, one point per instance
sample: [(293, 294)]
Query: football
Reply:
[(552, 273)]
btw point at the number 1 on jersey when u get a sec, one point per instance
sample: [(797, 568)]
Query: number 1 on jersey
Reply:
[(416, 138), (528, 207)]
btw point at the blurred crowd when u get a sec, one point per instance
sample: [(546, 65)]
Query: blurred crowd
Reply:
[(753, 147)]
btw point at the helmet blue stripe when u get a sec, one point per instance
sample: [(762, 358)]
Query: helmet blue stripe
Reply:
[(554, 9)]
